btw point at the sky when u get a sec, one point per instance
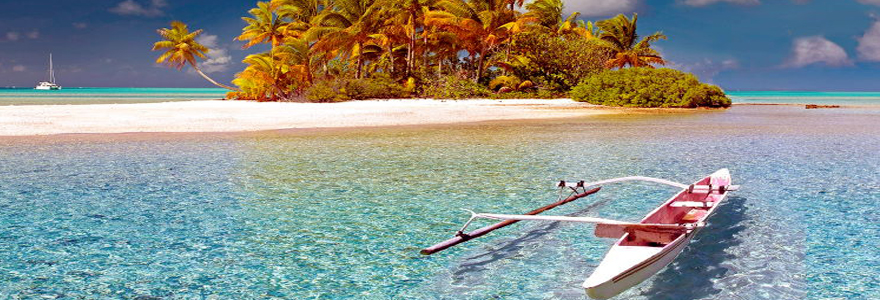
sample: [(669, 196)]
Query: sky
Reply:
[(811, 45)]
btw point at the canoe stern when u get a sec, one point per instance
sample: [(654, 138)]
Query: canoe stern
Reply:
[(629, 266)]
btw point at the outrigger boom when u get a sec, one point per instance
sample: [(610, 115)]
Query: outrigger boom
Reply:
[(461, 237), (690, 188), (583, 220)]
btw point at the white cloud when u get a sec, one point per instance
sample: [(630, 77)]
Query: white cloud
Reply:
[(207, 40), (869, 43), (707, 68), (218, 57), (872, 2), (80, 25), (600, 8), (130, 7), (816, 49), (730, 64), (18, 68), (709, 2), (15, 35)]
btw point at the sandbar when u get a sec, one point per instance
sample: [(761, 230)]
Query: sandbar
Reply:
[(245, 116)]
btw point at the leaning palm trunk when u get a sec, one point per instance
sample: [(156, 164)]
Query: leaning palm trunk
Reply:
[(480, 66), (360, 60), (212, 80), (308, 59), (391, 56), (411, 53), (425, 53)]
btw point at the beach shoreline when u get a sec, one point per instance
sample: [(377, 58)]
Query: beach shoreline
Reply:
[(226, 116), (219, 116)]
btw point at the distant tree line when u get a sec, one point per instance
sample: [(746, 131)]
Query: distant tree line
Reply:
[(334, 50)]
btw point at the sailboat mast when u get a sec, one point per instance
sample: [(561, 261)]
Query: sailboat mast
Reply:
[(51, 70)]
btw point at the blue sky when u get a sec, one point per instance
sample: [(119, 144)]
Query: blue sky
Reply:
[(830, 45)]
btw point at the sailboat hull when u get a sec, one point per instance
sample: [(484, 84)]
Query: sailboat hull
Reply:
[(49, 85)]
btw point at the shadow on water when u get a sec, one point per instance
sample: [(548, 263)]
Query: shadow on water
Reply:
[(507, 249), (690, 275)]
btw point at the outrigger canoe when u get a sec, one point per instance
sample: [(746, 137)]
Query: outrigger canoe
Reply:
[(642, 248)]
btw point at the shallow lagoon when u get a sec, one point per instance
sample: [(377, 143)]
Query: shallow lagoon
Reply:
[(80, 95), (334, 214)]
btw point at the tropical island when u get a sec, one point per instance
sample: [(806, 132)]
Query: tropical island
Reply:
[(331, 51)]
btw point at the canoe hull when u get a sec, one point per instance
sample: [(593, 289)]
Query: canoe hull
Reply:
[(632, 260), (639, 273)]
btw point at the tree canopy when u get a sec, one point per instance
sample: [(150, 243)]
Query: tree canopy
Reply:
[(418, 48)]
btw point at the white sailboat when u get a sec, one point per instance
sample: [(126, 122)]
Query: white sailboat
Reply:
[(49, 85)]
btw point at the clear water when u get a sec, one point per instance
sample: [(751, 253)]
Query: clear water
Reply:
[(30, 96), (789, 97), (341, 214)]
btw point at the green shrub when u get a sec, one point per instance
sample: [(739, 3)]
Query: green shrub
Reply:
[(536, 94), (325, 91), (556, 63), (454, 87), (645, 87), (504, 81), (378, 87), (381, 86)]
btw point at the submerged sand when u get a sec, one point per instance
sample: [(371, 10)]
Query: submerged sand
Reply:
[(242, 116)]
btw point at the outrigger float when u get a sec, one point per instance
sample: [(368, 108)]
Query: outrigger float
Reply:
[(642, 248)]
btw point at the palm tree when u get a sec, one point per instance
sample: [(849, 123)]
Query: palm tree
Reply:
[(181, 49), (298, 15), (255, 81), (274, 75), (514, 3), (548, 13), (264, 27), (385, 41), (573, 26), (620, 38), (479, 24), (346, 28), (445, 47), (407, 17)]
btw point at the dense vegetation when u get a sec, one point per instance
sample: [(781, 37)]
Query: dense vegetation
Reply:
[(645, 87), (336, 50)]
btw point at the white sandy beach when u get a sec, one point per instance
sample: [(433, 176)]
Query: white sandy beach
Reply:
[(239, 116)]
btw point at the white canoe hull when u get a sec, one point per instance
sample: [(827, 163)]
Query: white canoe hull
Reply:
[(626, 265), (638, 273)]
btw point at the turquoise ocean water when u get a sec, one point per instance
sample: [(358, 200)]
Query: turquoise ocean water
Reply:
[(825, 98), (29, 96), (341, 214)]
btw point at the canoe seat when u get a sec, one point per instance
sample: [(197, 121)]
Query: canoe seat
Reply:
[(694, 215), (691, 204)]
